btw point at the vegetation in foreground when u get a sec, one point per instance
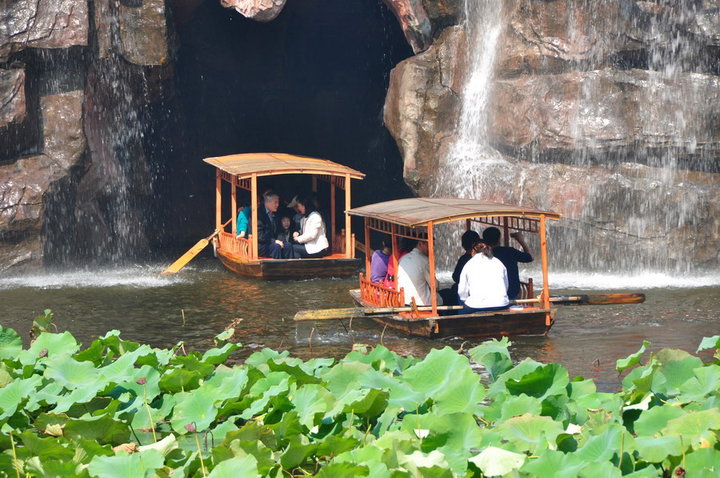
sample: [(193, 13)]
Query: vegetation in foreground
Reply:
[(121, 409)]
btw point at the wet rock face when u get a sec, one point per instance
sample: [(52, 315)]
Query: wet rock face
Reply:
[(47, 85), (606, 112), (260, 10), (42, 24)]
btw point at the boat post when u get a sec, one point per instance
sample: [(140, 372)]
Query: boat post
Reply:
[(254, 204), (218, 198), (395, 252), (545, 297), (348, 228), (332, 212), (367, 247), (233, 202), (431, 259)]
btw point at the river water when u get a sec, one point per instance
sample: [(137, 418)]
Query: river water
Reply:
[(203, 299)]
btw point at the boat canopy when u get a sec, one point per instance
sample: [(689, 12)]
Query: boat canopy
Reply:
[(414, 212), (269, 164)]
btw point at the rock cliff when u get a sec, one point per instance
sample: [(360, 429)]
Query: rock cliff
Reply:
[(607, 112)]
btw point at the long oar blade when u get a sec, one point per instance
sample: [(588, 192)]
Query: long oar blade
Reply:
[(619, 298), (187, 257), (330, 314)]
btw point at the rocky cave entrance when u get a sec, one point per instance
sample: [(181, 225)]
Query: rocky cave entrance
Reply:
[(312, 82)]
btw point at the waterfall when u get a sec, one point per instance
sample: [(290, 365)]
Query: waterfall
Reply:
[(608, 124)]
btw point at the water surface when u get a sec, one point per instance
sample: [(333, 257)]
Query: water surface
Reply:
[(203, 299)]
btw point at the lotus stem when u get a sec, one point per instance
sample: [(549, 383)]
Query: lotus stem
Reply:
[(149, 412), (16, 465), (193, 429)]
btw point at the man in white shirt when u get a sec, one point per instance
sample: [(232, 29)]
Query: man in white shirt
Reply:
[(414, 275)]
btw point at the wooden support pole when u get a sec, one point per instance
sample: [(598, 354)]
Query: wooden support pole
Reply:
[(431, 258), (332, 231), (314, 184), (254, 215), (368, 249), (506, 232), (395, 253), (218, 199), (348, 226), (233, 202), (545, 297)]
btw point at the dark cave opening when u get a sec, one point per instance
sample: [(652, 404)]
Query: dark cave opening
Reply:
[(311, 82)]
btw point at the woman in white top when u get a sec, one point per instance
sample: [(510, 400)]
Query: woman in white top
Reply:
[(483, 282), (311, 240)]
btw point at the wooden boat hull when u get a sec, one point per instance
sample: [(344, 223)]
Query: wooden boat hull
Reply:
[(282, 269), (529, 321)]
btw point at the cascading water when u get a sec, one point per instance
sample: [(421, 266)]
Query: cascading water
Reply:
[(618, 139)]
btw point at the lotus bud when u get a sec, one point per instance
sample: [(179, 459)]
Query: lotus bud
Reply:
[(190, 427), (43, 353), (141, 381)]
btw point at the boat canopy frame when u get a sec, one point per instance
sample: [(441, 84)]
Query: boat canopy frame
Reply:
[(243, 170), (415, 218)]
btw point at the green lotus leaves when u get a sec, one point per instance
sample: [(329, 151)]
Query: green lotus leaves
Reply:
[(632, 359), (137, 465), (373, 413), (10, 343), (709, 343), (497, 462)]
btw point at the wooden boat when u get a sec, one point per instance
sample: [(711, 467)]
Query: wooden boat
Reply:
[(245, 172), (416, 218)]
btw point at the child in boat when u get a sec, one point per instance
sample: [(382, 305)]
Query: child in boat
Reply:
[(243, 222), (379, 262), (286, 230)]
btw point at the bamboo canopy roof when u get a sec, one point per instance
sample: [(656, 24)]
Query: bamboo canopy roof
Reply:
[(267, 164), (420, 211)]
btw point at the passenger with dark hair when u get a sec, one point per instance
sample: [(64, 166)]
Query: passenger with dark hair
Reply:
[(286, 230), (406, 245), (468, 240), (483, 282), (413, 276), (268, 244), (379, 262), (311, 239), (509, 256)]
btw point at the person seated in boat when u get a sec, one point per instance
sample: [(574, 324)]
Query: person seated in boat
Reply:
[(243, 222), (297, 216), (379, 262), (468, 240), (413, 275), (286, 230), (310, 241), (509, 256), (406, 245), (483, 282), (268, 229)]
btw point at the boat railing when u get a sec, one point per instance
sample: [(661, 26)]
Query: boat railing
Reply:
[(527, 290), (379, 295), (239, 246)]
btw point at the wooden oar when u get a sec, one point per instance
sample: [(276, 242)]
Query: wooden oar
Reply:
[(358, 312), (192, 252)]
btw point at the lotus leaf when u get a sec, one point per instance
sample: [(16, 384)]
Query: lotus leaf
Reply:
[(655, 419), (5, 376), (705, 382), (46, 448), (704, 462), (656, 449), (600, 469), (274, 384), (542, 382), (693, 424), (49, 345), (10, 343), (193, 362), (676, 368), (519, 405), (554, 463), (431, 464), (179, 380), (647, 472), (260, 359), (494, 356), (496, 461), (601, 447), (382, 359), (498, 389), (103, 429), (218, 356), (310, 401), (343, 470), (194, 408), (296, 371), (53, 469), (227, 382), (345, 375), (15, 393), (237, 467), (137, 465), (709, 343), (530, 433), (70, 373), (296, 453), (632, 359)]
